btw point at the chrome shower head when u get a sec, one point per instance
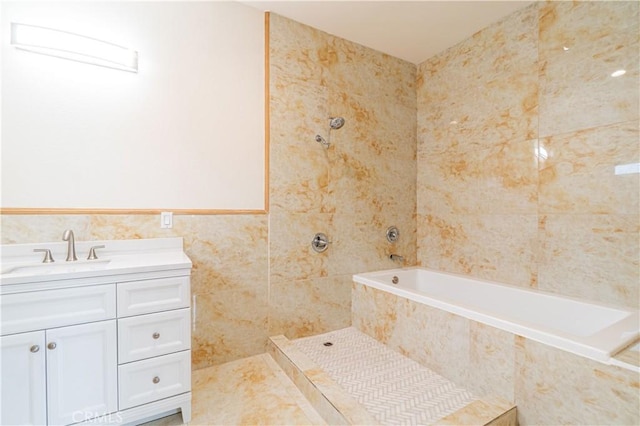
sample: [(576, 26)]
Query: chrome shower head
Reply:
[(336, 122)]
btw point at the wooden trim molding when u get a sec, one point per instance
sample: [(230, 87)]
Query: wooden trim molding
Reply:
[(61, 211), (267, 109)]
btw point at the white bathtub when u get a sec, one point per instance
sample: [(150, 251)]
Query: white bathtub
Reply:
[(583, 328)]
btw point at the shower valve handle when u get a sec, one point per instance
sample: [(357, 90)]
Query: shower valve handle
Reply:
[(320, 242)]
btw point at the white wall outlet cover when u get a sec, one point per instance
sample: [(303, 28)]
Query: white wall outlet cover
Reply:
[(166, 220)]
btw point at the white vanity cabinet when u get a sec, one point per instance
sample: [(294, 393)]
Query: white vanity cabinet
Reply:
[(112, 347), (59, 376), (81, 372), (154, 341), (76, 364), (23, 385)]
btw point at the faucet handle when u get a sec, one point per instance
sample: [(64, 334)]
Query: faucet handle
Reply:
[(47, 255), (92, 252)]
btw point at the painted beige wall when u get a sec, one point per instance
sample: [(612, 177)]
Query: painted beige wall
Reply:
[(487, 205)]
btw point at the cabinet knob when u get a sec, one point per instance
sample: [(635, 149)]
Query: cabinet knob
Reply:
[(156, 379), (156, 335), (52, 345), (34, 348)]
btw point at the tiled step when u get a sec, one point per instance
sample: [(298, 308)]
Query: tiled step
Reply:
[(357, 380)]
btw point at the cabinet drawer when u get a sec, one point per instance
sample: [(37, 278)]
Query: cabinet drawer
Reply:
[(152, 379), (146, 336), (55, 308), (145, 297)]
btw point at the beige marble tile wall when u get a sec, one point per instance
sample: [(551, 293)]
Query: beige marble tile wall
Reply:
[(520, 130), (352, 191), (229, 276), (548, 385)]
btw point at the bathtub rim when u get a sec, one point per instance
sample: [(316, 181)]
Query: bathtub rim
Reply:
[(601, 346)]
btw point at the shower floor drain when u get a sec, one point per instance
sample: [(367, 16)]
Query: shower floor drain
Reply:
[(327, 344)]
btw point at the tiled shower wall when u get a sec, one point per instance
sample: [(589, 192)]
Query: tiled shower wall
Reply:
[(520, 130), (255, 275), (352, 191)]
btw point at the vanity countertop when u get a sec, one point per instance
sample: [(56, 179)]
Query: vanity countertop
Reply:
[(21, 265)]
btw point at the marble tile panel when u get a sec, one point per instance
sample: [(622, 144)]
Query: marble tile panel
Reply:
[(464, 179), (249, 391), (290, 254), (491, 362), (556, 387), (447, 182), (23, 229), (377, 127), (580, 174), (306, 307), (316, 398), (507, 182), (593, 257), (475, 93), (432, 337), (229, 325), (296, 51), (372, 158), (480, 412), (358, 186), (362, 71), (360, 244), (444, 243), (499, 248), (504, 108), (298, 164), (510, 418), (227, 251), (501, 48), (374, 312), (581, 44)]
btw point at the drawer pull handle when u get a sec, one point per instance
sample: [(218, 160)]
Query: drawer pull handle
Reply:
[(156, 335), (156, 380), (34, 348), (52, 345)]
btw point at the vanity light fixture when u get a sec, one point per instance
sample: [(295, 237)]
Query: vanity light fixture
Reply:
[(75, 47), (618, 73)]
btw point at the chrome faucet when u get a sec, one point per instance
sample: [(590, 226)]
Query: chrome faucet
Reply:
[(71, 246), (396, 258)]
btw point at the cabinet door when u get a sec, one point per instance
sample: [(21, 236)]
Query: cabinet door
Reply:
[(23, 388), (81, 372)]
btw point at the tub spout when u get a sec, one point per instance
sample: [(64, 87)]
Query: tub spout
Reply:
[(396, 258)]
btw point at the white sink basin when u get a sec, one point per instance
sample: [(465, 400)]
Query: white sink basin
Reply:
[(56, 267)]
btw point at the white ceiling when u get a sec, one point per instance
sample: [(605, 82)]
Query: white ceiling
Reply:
[(410, 30)]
